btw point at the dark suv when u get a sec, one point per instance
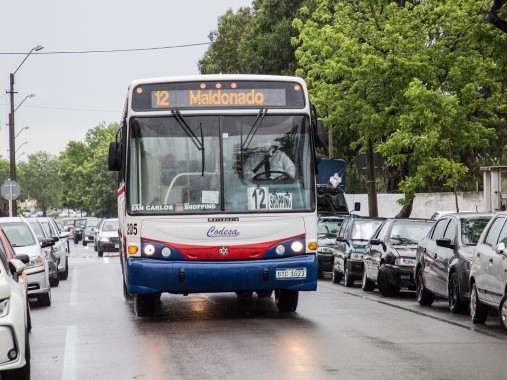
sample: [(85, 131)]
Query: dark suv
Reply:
[(84, 230), (351, 240)]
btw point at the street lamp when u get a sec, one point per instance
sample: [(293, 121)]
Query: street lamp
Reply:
[(21, 130), (19, 155), (12, 138), (26, 142), (26, 97)]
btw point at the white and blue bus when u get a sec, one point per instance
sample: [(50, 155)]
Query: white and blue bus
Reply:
[(217, 188)]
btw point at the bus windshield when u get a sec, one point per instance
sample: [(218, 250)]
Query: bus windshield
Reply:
[(220, 163)]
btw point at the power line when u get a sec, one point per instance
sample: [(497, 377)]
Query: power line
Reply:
[(109, 51)]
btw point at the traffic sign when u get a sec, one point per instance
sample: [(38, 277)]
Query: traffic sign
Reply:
[(10, 190)]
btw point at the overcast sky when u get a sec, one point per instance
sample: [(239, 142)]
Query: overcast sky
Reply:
[(77, 92)]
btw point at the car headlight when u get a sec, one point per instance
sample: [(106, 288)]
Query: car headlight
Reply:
[(325, 250), (404, 262), (36, 262), (4, 307), (356, 256), (104, 239)]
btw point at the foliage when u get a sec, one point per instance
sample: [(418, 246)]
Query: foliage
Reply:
[(419, 78), (87, 182), (40, 180)]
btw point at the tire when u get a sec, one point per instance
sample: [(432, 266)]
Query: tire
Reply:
[(54, 281), (320, 275), (478, 311), (336, 277), (347, 278), (286, 300), (456, 304), (145, 305), (95, 247), (502, 312), (384, 287), (45, 299), (264, 293), (423, 295), (28, 318), (76, 240), (367, 285), (85, 243), (65, 274), (100, 253)]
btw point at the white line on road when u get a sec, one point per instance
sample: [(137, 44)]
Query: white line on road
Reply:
[(69, 367)]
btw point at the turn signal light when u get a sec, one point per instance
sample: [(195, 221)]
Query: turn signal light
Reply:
[(132, 249), (312, 245)]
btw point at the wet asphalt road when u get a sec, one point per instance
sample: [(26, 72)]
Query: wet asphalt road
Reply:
[(91, 332)]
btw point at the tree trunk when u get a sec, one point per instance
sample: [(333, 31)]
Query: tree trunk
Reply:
[(406, 210)]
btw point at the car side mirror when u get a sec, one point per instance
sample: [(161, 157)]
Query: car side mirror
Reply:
[(44, 243), (500, 249), (444, 242), (16, 267), (25, 259), (340, 239)]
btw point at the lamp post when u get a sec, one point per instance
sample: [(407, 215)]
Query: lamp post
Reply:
[(26, 97), (11, 127), (21, 130)]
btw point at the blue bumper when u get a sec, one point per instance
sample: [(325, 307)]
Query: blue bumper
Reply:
[(180, 277)]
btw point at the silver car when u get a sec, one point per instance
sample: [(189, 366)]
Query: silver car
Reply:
[(23, 239), (60, 247), (107, 239), (488, 273)]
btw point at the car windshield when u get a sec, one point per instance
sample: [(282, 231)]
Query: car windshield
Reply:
[(471, 229), (37, 229), (19, 234), (110, 225), (363, 229), (330, 225), (409, 232), (93, 222)]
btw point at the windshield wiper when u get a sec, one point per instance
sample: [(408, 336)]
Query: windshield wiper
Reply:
[(255, 127), (183, 124)]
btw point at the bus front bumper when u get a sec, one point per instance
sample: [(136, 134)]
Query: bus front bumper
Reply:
[(146, 276)]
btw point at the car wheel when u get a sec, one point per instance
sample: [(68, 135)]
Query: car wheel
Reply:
[(286, 300), (502, 312), (423, 295), (336, 277), (320, 274), (265, 293), (384, 287), (28, 317), (478, 311), (65, 274), (54, 281), (100, 253), (95, 247), (145, 304), (367, 285), (85, 243), (76, 240), (456, 303), (347, 278), (45, 299)]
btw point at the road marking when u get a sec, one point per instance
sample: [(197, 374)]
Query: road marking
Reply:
[(73, 290), (69, 369)]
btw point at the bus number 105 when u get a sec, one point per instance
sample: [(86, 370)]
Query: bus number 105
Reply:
[(131, 228)]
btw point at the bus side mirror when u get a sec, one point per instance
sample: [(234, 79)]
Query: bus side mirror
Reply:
[(357, 206), (321, 135), (114, 156)]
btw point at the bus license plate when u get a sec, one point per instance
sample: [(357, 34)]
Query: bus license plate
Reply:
[(290, 273)]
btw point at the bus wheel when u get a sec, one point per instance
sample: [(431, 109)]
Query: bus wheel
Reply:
[(126, 293), (144, 305), (286, 300), (264, 293)]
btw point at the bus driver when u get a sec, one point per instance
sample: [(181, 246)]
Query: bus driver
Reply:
[(268, 162)]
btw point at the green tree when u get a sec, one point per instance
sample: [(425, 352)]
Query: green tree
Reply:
[(417, 78), (39, 179)]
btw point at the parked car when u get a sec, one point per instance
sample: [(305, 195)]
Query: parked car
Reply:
[(84, 229), (54, 276), (389, 256), (488, 272), (107, 239), (67, 213), (348, 250), (60, 248), (23, 239), (444, 257), (327, 229), (15, 323)]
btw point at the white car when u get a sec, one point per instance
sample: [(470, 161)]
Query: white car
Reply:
[(107, 239), (488, 272), (23, 239), (60, 247), (14, 315)]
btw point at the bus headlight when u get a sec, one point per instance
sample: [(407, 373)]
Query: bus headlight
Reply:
[(166, 252), (149, 249), (280, 249), (297, 246)]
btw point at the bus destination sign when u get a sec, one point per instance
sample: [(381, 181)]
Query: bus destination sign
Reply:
[(217, 95)]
